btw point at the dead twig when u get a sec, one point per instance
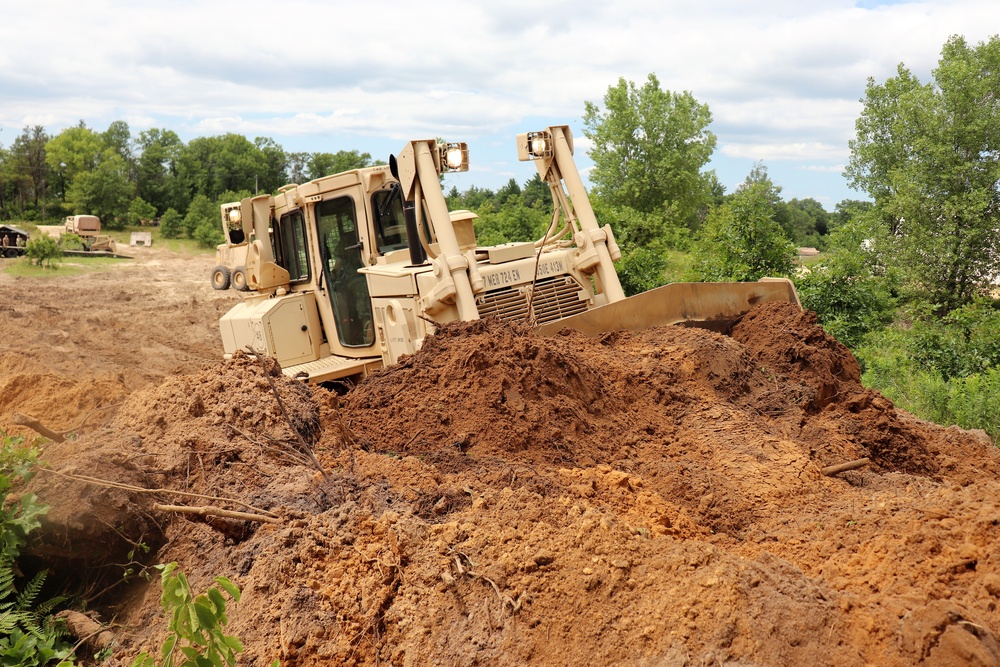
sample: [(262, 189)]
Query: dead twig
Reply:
[(55, 436), (38, 427), (505, 600), (306, 448), (138, 489), (215, 511), (290, 452)]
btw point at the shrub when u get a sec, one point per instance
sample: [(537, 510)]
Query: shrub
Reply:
[(43, 251), (140, 210), (171, 224), (946, 370)]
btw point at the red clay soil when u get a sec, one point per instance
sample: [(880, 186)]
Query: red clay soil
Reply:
[(500, 498)]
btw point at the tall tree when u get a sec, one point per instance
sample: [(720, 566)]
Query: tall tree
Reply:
[(156, 168), (741, 240), (929, 156), (275, 164), (73, 151), (28, 156), (118, 137), (213, 165), (298, 167), (325, 164), (105, 191), (649, 148)]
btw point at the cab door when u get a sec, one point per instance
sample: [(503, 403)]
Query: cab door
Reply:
[(341, 255)]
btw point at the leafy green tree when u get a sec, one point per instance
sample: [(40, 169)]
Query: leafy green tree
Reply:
[(156, 169), (326, 164), (515, 222), (929, 156), (28, 166), (140, 210), (848, 210), (201, 213), (805, 221), (118, 137), (208, 236), (105, 192), (472, 199), (644, 240), (43, 250), (509, 192), (211, 165), (298, 167), (274, 162), (740, 240), (851, 293), (536, 193), (649, 148), (171, 224), (74, 151)]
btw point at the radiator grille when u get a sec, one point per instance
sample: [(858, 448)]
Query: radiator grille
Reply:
[(555, 298)]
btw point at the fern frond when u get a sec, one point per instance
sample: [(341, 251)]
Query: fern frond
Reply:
[(27, 596), (9, 620), (6, 577), (44, 609)]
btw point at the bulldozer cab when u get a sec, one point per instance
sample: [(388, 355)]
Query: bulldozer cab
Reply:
[(341, 254)]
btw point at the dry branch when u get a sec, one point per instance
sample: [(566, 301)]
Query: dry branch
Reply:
[(306, 448), (215, 511), (55, 436), (87, 630), (37, 427), (844, 467), (138, 489)]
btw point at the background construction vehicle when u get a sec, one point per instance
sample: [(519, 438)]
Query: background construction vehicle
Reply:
[(353, 271), (88, 228), (231, 256)]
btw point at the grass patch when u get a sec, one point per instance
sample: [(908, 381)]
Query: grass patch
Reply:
[(65, 268)]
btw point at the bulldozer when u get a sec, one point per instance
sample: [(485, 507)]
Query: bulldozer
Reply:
[(231, 256), (350, 272)]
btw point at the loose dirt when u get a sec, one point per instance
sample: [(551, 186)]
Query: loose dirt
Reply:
[(644, 498)]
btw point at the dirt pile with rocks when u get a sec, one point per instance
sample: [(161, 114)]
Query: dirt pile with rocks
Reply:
[(647, 498)]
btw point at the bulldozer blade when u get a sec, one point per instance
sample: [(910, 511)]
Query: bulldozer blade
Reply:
[(715, 306)]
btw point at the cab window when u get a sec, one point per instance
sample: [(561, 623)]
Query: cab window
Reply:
[(288, 238), (390, 225)]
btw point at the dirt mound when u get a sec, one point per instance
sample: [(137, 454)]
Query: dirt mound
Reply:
[(504, 498)]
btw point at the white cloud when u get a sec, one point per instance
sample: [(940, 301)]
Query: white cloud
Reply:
[(784, 151), (783, 77)]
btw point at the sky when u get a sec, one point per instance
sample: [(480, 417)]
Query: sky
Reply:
[(783, 79)]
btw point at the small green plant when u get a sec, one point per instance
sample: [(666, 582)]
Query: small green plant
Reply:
[(196, 624)]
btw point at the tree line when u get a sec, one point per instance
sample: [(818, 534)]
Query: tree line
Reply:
[(125, 178)]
